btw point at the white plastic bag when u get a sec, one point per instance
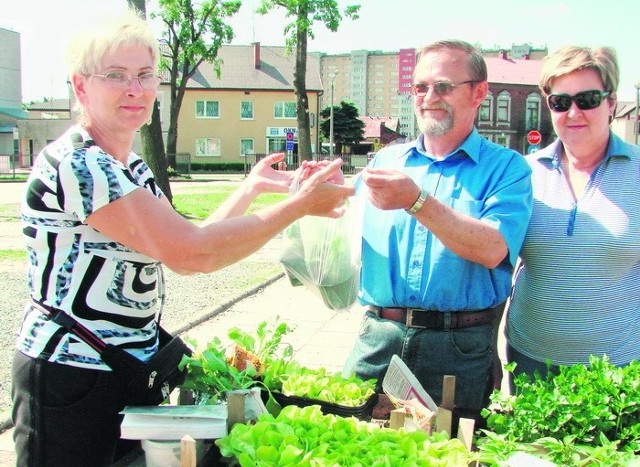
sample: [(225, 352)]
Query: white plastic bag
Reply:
[(324, 255)]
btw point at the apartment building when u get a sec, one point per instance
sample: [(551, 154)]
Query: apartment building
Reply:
[(378, 84)]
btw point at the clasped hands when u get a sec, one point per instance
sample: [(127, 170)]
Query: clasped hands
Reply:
[(319, 183)]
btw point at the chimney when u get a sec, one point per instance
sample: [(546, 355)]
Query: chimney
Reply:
[(256, 55)]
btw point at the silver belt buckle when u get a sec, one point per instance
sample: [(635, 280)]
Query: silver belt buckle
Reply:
[(409, 319)]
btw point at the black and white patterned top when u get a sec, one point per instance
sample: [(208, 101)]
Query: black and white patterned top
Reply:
[(111, 289)]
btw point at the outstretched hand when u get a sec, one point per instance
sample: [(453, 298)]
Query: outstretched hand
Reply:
[(322, 197), (263, 178), (308, 168)]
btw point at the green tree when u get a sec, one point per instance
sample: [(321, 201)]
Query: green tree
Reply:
[(304, 14), (194, 33), (348, 129), (151, 134)]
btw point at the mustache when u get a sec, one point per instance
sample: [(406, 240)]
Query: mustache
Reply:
[(438, 106)]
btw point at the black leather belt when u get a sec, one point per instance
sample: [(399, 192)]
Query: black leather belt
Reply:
[(439, 320)]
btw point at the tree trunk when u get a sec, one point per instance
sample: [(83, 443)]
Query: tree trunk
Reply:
[(300, 88), (151, 135), (174, 113), (153, 152)]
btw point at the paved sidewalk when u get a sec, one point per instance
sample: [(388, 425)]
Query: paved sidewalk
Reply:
[(321, 338)]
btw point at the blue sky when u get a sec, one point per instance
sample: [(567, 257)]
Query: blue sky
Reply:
[(46, 25)]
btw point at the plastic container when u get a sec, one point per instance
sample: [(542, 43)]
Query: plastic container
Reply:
[(362, 412), (166, 453), (161, 453)]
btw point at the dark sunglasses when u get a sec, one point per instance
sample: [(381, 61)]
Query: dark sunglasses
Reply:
[(585, 100), (442, 88)]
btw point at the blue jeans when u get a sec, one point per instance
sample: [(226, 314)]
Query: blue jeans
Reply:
[(430, 354)]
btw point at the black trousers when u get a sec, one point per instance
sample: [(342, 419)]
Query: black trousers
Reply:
[(65, 416)]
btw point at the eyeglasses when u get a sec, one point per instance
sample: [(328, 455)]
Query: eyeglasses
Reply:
[(117, 79), (585, 100), (442, 88)]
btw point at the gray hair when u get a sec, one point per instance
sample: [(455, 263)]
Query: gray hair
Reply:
[(477, 65)]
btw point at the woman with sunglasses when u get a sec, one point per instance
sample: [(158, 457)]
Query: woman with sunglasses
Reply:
[(97, 229), (577, 292)]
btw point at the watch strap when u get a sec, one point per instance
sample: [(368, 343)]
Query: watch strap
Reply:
[(419, 202)]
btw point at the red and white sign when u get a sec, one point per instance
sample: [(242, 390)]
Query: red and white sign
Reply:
[(534, 137)]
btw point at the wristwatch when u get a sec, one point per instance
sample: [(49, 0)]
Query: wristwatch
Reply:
[(419, 202)]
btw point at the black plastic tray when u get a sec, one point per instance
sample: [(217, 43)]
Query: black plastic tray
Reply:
[(362, 412)]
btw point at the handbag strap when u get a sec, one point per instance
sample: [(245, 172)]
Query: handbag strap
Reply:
[(70, 324)]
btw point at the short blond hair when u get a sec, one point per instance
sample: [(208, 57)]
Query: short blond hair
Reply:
[(88, 47), (573, 58)]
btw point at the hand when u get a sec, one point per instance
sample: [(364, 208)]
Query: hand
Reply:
[(320, 197), (308, 168), (390, 189), (263, 178)]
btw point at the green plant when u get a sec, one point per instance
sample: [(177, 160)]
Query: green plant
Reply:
[(583, 413), (292, 379), (210, 375), (306, 437), (266, 345)]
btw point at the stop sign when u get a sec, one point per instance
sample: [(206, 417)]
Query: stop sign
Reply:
[(534, 137)]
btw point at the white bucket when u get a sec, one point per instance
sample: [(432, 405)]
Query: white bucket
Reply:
[(166, 453)]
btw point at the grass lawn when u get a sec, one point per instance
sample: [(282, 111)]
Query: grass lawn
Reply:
[(200, 205), (196, 206)]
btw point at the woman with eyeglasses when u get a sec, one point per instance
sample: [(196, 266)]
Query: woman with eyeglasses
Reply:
[(97, 230), (577, 292)]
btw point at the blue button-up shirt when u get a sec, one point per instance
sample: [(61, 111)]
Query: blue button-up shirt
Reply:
[(405, 265)]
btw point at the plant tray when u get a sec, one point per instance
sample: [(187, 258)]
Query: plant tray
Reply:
[(362, 412)]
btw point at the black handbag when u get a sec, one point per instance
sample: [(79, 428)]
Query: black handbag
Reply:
[(148, 383)]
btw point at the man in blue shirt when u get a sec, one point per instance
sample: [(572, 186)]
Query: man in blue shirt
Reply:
[(445, 220)]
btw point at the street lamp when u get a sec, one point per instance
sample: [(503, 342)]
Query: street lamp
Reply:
[(331, 118), (636, 126)]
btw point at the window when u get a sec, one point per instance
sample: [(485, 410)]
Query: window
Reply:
[(532, 113), (208, 147), (504, 107), (246, 146), (207, 109), (485, 114), (246, 110), (284, 110), (502, 140)]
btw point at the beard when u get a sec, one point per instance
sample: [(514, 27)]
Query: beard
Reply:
[(431, 127)]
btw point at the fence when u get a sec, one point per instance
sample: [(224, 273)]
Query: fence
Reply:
[(13, 165), (19, 164), (351, 163)]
